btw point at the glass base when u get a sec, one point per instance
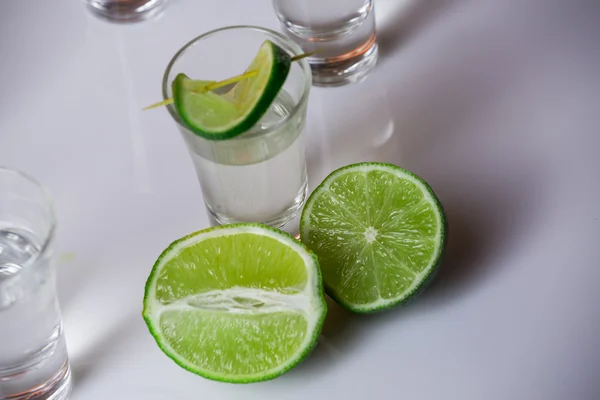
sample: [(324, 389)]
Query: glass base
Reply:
[(354, 68), (278, 221), (125, 10), (57, 388)]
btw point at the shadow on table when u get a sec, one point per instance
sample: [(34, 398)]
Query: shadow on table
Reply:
[(100, 348), (401, 23), (340, 333), (487, 221), (482, 226)]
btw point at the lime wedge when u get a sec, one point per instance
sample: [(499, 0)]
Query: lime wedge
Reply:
[(237, 303), (379, 232), (218, 117)]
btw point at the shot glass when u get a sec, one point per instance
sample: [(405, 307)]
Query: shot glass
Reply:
[(342, 32), (33, 354), (126, 10), (260, 175)]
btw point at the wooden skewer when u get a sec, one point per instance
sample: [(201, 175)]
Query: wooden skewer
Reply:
[(207, 88), (304, 55), (229, 81)]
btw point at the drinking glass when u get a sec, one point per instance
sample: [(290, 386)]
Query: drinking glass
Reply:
[(33, 354), (342, 32), (260, 175), (126, 10)]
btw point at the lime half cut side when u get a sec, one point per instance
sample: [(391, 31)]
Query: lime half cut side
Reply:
[(237, 303), (217, 117), (379, 232)]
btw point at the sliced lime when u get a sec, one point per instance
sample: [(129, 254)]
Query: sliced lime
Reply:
[(379, 232), (236, 303), (222, 117)]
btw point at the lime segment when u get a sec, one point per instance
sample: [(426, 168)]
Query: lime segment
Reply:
[(218, 117), (379, 232), (237, 303)]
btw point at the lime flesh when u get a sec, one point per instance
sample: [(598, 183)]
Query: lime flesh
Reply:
[(238, 303), (379, 233), (217, 117)]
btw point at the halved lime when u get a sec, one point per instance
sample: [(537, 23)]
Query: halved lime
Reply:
[(379, 232), (236, 303), (222, 117)]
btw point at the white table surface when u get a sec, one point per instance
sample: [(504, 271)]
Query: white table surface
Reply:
[(495, 103)]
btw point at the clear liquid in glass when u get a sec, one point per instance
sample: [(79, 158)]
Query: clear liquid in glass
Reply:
[(33, 354), (257, 177)]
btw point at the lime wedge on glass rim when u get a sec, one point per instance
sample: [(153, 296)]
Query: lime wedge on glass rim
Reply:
[(379, 232), (217, 117), (236, 303)]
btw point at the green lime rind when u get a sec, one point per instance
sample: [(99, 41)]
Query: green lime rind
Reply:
[(426, 274), (299, 356), (216, 117)]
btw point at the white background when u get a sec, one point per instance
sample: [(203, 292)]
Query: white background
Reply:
[(495, 103)]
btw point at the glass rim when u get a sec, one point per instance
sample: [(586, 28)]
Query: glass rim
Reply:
[(47, 197), (304, 66)]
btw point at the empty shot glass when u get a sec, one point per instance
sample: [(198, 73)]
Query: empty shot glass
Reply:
[(342, 32), (126, 10)]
